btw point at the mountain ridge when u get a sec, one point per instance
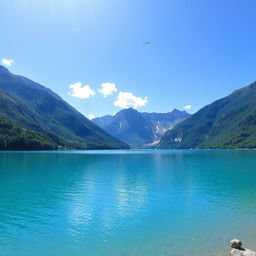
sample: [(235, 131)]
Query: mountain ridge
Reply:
[(228, 122), (139, 129), (35, 107)]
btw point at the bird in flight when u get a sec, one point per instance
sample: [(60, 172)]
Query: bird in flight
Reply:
[(147, 42)]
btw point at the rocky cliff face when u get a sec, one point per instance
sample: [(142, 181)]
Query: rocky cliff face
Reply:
[(140, 129), (238, 250)]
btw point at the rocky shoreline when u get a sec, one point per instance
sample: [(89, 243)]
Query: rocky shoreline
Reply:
[(238, 250)]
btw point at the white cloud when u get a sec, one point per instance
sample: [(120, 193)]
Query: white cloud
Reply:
[(91, 116), (128, 100), (81, 91), (7, 62), (107, 89), (188, 107)]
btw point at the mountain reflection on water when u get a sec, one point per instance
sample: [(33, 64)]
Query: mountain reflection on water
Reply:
[(134, 202)]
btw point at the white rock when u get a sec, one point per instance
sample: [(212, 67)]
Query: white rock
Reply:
[(235, 243), (238, 250), (242, 252)]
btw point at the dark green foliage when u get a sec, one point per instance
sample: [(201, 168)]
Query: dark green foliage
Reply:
[(14, 137), (35, 107), (226, 123)]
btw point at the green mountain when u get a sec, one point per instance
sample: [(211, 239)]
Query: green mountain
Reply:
[(140, 129), (226, 123), (15, 137), (35, 107)]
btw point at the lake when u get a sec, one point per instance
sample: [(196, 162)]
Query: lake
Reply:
[(126, 202)]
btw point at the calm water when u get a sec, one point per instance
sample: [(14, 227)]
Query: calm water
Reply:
[(126, 202)]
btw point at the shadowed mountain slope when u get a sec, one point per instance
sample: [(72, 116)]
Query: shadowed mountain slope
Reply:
[(37, 108), (140, 129), (226, 123)]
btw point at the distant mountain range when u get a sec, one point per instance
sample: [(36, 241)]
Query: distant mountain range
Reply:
[(140, 129), (226, 123), (34, 117)]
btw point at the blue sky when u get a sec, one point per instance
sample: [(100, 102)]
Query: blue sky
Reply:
[(200, 51)]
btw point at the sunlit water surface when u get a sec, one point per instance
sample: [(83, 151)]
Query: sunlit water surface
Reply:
[(83, 203)]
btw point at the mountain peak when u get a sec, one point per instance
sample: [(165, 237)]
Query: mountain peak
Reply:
[(127, 111), (175, 110), (140, 129), (178, 113)]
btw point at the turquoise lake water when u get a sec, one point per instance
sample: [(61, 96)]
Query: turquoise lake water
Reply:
[(158, 202)]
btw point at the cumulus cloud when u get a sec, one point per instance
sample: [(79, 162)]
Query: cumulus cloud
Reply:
[(188, 107), (7, 62), (81, 91), (107, 89), (91, 116), (128, 100)]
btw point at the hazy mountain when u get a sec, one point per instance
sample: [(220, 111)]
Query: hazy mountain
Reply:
[(35, 107), (226, 123), (139, 129)]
